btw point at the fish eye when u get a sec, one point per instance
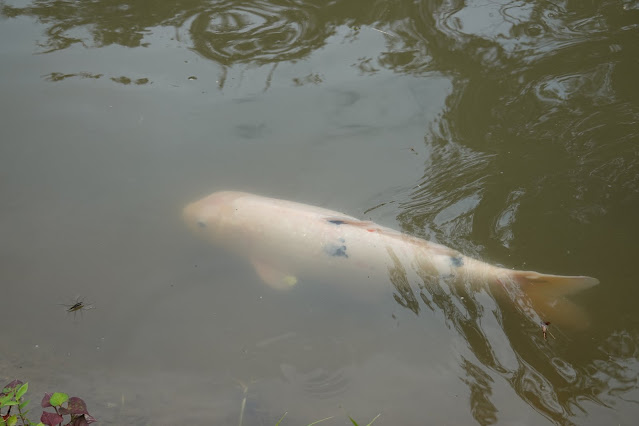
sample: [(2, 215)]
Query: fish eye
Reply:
[(201, 224)]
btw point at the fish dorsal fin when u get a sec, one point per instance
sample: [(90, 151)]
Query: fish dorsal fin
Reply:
[(351, 221), (370, 226)]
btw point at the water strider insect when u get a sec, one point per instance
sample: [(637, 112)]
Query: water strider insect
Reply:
[(78, 306), (412, 150)]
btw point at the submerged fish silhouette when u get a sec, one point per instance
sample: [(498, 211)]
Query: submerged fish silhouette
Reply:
[(287, 242)]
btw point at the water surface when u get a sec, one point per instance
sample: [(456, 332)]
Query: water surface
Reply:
[(506, 130)]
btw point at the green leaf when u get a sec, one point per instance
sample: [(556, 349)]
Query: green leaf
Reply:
[(22, 390), (23, 404), (280, 420), (12, 421), (374, 419), (58, 398), (320, 421), (353, 421), (9, 394), (11, 403)]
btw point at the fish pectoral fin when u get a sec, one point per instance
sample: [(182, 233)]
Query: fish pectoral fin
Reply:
[(273, 276)]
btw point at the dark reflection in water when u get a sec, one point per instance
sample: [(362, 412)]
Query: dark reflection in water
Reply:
[(553, 123), (258, 32), (544, 111), (227, 32), (479, 384)]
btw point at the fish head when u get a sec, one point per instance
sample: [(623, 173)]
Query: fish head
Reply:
[(213, 216)]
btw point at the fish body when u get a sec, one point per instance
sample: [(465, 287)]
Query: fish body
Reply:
[(287, 241)]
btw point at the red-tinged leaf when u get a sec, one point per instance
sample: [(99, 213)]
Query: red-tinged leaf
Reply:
[(83, 420), (78, 421), (76, 405), (45, 400), (51, 419), (14, 384)]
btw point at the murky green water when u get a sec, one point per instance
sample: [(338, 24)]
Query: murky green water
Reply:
[(507, 131)]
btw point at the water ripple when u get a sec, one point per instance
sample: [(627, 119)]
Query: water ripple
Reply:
[(447, 195), (319, 382), (259, 31)]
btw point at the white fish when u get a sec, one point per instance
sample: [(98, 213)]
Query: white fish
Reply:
[(287, 242)]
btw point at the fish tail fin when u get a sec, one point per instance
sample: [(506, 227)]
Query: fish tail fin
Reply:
[(546, 293)]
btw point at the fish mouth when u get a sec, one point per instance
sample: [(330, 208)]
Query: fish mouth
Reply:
[(190, 216)]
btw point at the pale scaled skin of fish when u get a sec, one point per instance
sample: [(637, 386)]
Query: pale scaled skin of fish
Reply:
[(287, 242)]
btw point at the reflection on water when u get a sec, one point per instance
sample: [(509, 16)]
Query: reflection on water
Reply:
[(434, 202), (258, 32), (226, 32), (532, 163)]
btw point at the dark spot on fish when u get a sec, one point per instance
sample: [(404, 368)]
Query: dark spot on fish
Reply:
[(337, 222), (457, 261), (201, 224), (336, 251), (340, 251)]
